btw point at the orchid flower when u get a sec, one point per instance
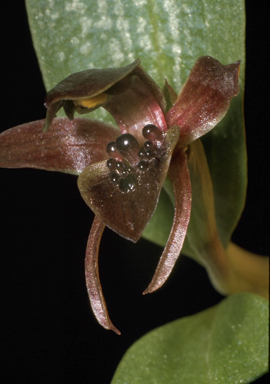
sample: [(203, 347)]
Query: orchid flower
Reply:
[(122, 169)]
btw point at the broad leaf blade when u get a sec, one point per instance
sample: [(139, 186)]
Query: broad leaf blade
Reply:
[(227, 343), (168, 37)]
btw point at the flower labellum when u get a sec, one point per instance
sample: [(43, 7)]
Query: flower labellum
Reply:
[(122, 169)]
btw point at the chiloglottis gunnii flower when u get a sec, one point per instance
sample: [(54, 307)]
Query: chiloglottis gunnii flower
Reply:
[(121, 169)]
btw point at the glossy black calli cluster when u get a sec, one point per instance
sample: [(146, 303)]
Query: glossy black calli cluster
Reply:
[(128, 159)]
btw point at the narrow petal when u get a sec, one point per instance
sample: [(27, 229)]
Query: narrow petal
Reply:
[(135, 108), (92, 277), (204, 99), (179, 175), (127, 206), (50, 115), (69, 146)]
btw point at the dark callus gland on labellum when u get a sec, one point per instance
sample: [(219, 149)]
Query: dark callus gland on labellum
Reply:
[(122, 169)]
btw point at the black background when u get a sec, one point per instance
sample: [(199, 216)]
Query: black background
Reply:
[(48, 332)]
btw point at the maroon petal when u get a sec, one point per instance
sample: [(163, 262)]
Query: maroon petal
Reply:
[(50, 115), (135, 108), (88, 84), (92, 277), (152, 86), (69, 146), (179, 175), (169, 94), (205, 98), (126, 200)]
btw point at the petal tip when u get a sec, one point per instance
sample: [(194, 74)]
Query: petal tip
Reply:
[(146, 291), (114, 329)]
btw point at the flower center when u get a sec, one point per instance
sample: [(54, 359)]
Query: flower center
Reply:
[(92, 102), (128, 160)]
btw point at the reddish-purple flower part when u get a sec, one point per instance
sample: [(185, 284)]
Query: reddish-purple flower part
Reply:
[(122, 169)]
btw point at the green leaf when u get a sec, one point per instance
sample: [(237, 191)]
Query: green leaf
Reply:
[(168, 36), (227, 343), (225, 149)]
